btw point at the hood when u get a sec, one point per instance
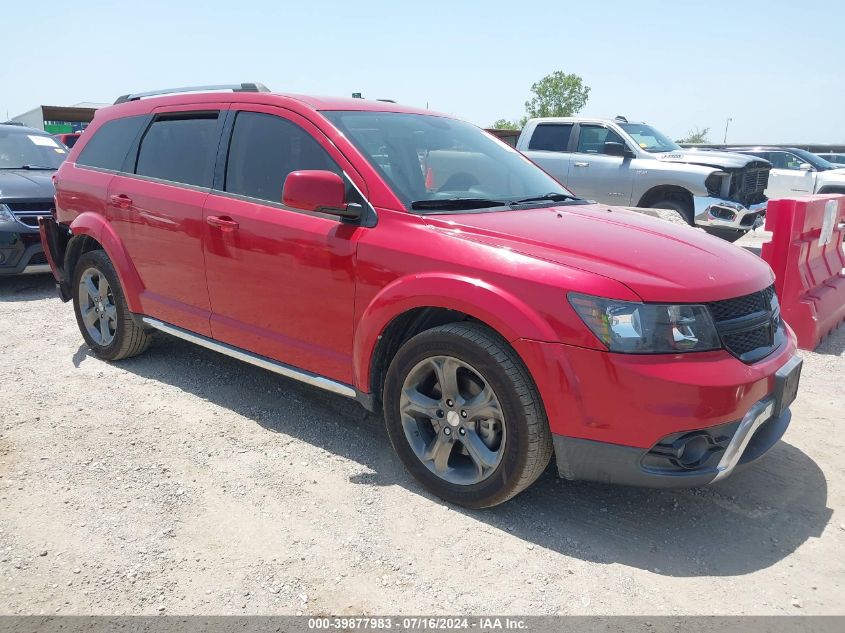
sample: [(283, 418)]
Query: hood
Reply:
[(658, 260), (25, 184), (727, 160)]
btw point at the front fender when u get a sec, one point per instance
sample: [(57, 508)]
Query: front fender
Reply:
[(507, 314), (96, 227)]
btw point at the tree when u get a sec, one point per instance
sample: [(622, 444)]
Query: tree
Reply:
[(504, 124), (558, 94), (696, 136)]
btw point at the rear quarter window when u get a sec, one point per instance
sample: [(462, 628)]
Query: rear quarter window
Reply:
[(551, 137), (108, 146)]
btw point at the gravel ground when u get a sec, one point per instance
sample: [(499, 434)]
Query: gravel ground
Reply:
[(185, 482)]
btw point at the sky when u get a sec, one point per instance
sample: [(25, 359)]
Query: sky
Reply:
[(775, 67)]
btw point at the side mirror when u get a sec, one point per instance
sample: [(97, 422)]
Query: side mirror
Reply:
[(612, 148), (805, 167), (320, 191)]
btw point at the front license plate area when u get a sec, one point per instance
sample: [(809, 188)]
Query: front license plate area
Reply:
[(786, 386)]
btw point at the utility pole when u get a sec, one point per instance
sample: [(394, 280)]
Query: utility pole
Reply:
[(727, 123)]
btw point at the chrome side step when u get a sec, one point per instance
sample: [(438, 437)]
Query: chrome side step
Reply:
[(301, 375)]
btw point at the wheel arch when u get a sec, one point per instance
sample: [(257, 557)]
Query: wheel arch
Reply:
[(90, 232), (413, 304), (660, 192)]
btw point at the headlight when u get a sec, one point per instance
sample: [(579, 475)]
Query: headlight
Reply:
[(6, 214), (647, 328)]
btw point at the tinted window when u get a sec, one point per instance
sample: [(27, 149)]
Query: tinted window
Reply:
[(180, 149), (552, 137), (108, 146), (784, 160), (592, 138), (264, 150)]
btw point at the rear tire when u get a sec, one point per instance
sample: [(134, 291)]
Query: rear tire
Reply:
[(101, 311), (488, 397)]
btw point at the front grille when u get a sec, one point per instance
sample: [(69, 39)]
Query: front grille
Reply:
[(28, 212), (742, 306), (38, 208), (751, 182), (745, 342), (748, 325)]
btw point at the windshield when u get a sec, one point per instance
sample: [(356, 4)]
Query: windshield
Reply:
[(28, 150), (816, 161), (439, 164), (648, 138)]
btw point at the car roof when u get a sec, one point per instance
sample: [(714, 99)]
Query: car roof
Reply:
[(581, 119), (293, 101)]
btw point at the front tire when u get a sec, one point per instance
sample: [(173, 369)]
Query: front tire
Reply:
[(465, 417), (101, 310), (679, 203)]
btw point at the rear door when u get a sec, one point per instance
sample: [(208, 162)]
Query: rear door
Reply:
[(549, 148), (595, 175), (281, 280), (156, 210)]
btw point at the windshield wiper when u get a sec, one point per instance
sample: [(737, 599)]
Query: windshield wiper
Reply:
[(34, 167), (456, 204), (554, 197)]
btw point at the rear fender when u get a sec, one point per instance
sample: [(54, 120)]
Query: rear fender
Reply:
[(502, 311), (96, 227)]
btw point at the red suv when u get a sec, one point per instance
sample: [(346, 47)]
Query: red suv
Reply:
[(417, 264)]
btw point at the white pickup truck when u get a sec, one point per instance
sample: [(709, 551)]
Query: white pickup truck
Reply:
[(614, 161), (798, 172)]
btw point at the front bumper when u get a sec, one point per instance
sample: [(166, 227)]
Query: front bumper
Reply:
[(21, 251), (727, 214), (686, 459)]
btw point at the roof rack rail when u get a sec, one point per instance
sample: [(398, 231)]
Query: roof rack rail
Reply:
[(243, 87)]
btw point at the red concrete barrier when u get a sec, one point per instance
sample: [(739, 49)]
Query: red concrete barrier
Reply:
[(806, 255)]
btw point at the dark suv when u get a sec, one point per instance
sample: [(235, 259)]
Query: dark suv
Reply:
[(28, 160)]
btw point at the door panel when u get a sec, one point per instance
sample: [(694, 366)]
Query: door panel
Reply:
[(597, 176), (157, 212), (282, 282), (161, 227), (790, 182)]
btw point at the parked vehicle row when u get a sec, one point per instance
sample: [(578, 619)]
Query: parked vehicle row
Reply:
[(413, 262), (28, 160), (617, 162)]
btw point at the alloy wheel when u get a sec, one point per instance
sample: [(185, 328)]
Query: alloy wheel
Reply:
[(452, 420), (97, 307)]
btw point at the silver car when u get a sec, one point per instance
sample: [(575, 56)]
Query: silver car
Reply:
[(614, 161)]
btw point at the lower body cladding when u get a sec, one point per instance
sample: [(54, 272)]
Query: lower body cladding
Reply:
[(20, 250), (727, 214), (661, 421)]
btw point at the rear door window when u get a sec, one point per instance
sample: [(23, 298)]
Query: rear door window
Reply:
[(108, 146), (592, 138), (551, 137), (180, 148), (264, 150)]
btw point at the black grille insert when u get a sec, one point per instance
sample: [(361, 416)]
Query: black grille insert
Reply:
[(749, 325)]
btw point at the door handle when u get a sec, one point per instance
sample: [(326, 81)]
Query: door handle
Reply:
[(121, 200), (224, 223), (579, 164)]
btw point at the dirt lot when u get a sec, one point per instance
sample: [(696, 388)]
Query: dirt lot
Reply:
[(186, 482)]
